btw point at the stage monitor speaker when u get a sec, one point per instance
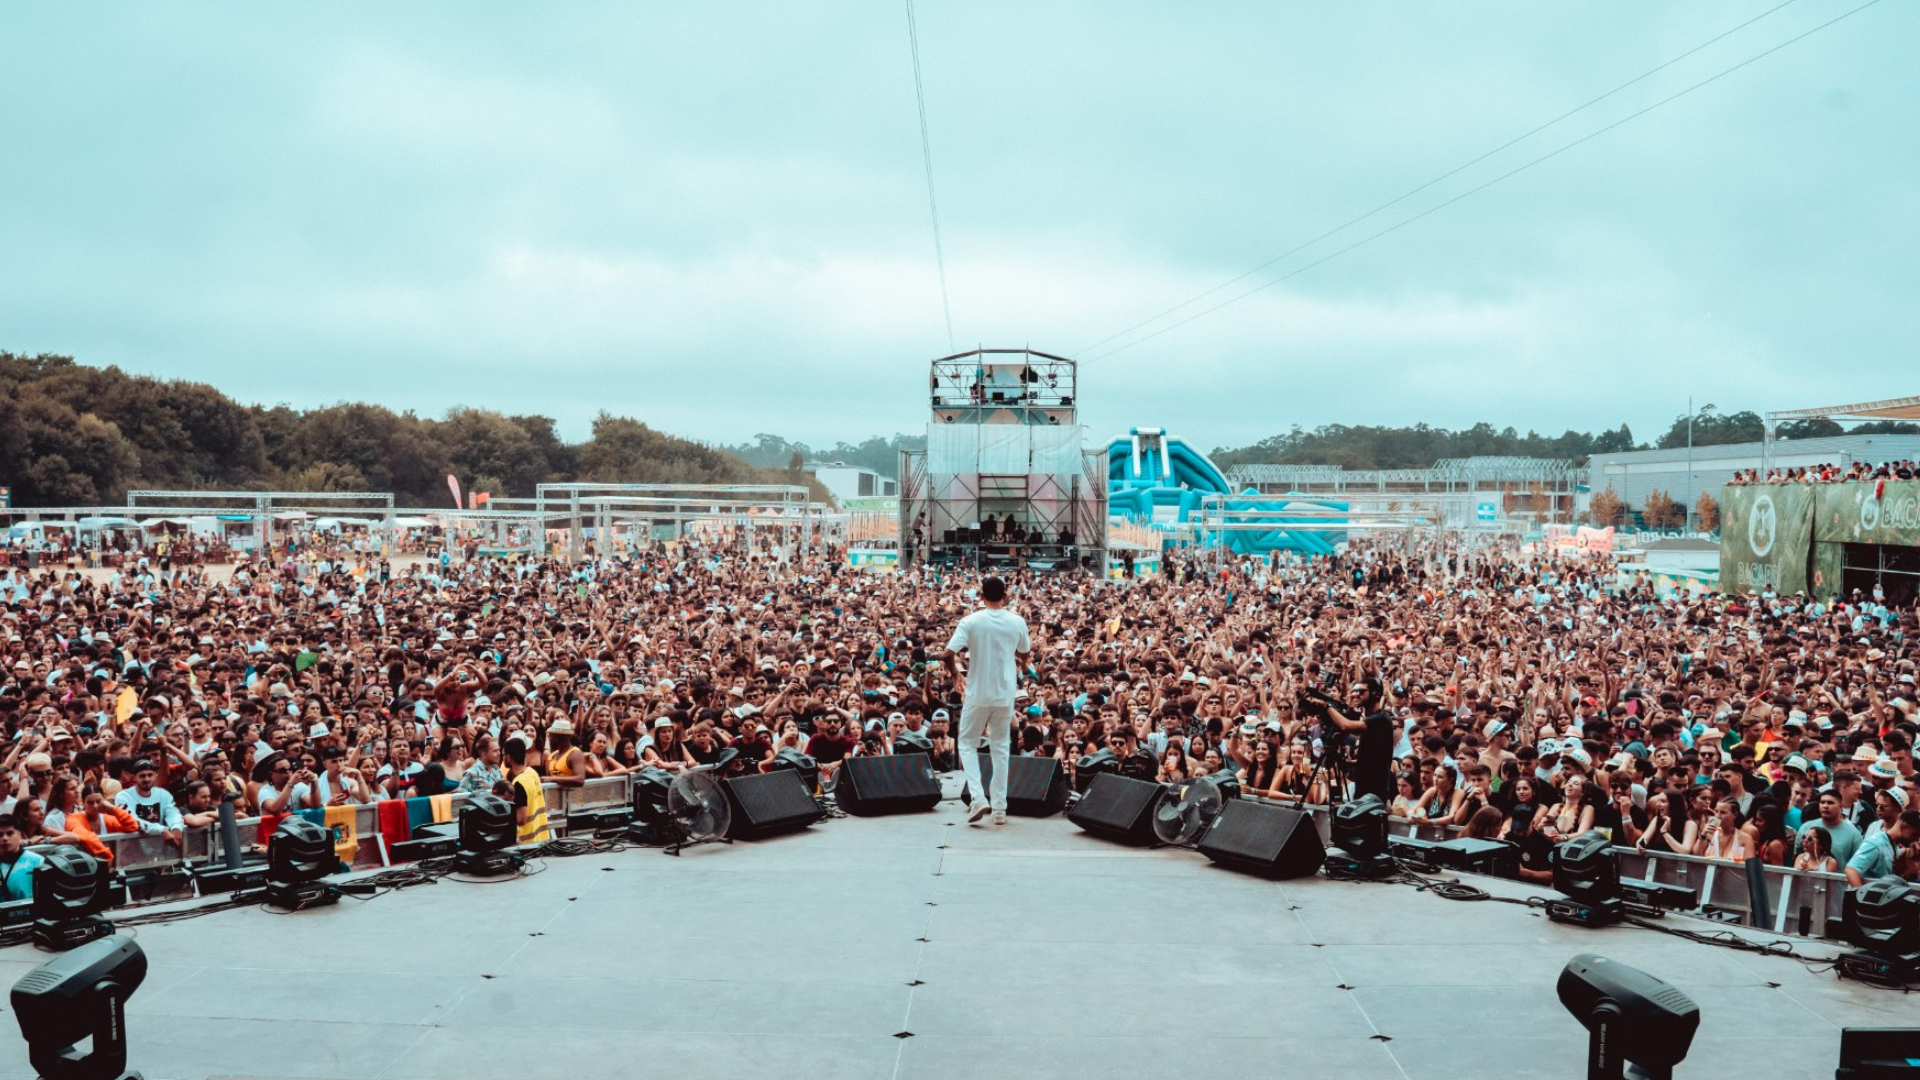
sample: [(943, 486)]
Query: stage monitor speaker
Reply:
[(1272, 841), (1119, 808), (1036, 787), (766, 804), (1878, 1054), (887, 784)]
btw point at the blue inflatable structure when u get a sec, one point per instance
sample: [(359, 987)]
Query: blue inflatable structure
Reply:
[(1152, 479)]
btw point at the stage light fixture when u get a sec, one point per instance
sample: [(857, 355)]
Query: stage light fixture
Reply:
[(1656, 898), (1883, 919), (1088, 766), (299, 859), (910, 742), (1359, 832), (1585, 870), (434, 840), (652, 821), (798, 760), (1637, 1025), (487, 832), (1228, 781), (70, 890), (72, 1010)]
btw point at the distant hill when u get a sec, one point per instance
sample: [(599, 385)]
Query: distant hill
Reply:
[(73, 435)]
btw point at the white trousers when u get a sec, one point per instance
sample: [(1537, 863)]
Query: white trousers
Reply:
[(996, 723)]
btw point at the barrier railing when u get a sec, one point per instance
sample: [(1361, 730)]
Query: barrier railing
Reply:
[(1789, 898), (142, 854)]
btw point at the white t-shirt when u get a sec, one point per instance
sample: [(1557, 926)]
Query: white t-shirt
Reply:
[(296, 801), (155, 810), (992, 638)]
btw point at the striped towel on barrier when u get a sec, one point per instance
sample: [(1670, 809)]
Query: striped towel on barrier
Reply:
[(442, 807), (343, 822), (419, 812), (393, 821), (268, 823)]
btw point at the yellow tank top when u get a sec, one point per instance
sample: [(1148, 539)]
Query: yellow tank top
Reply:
[(557, 766), (534, 829)]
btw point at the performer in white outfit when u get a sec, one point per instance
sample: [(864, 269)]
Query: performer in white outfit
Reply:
[(996, 642)]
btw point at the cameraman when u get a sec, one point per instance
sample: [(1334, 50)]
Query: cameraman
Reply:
[(1362, 715), (1136, 761)]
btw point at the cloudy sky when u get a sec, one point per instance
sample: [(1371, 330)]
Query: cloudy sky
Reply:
[(713, 216)]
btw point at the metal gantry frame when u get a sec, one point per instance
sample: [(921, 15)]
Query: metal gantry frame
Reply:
[(263, 505), (968, 380), (1903, 408), (1221, 514), (1452, 483), (605, 503)]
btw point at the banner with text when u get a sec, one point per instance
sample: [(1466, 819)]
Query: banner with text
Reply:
[(1876, 513), (1766, 535)]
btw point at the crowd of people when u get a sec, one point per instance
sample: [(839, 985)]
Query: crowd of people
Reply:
[(1527, 698), (1831, 473)]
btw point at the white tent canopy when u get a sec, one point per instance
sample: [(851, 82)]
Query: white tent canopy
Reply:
[(1906, 408)]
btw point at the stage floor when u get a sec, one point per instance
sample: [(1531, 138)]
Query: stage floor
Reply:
[(1031, 950)]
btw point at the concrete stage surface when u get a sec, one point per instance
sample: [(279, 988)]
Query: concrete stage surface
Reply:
[(1032, 951)]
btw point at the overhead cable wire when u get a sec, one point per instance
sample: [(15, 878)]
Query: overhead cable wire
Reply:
[(1457, 169), (926, 157), (1476, 189)]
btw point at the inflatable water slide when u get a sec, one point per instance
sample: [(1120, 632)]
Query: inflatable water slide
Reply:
[(1154, 480)]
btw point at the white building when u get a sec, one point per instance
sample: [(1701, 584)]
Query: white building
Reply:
[(849, 482)]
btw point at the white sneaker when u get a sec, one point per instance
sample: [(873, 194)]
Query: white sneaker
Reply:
[(979, 811), (999, 817)]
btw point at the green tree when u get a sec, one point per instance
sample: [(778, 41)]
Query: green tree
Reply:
[(393, 451), (59, 457), (1715, 429), (1818, 427), (1614, 442), (480, 443)]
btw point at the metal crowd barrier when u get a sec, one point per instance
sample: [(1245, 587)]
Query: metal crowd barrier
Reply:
[(136, 854), (1790, 896)]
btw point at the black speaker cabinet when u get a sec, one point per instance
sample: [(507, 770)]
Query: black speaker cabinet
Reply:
[(888, 784), (766, 804), (1119, 808), (1036, 787), (1271, 841)]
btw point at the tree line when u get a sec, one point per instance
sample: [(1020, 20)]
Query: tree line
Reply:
[(74, 435), (880, 453)]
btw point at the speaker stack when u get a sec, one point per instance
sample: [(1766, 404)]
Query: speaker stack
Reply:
[(1119, 808), (1271, 841), (888, 784), (767, 804)]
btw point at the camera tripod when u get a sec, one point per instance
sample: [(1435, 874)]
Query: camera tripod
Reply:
[(1331, 764)]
